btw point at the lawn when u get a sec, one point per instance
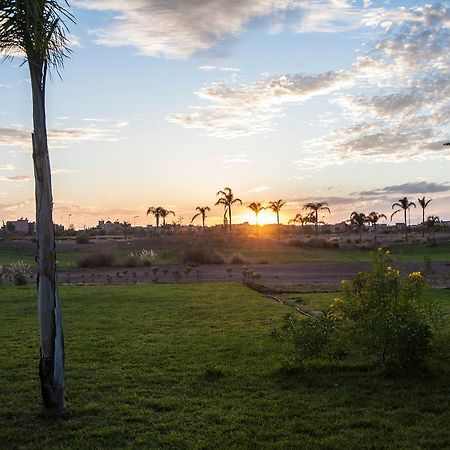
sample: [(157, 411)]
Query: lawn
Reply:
[(194, 366), (251, 251)]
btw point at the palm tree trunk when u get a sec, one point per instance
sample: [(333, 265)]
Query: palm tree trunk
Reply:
[(406, 227), (51, 365), (229, 220), (278, 225), (316, 225), (423, 222)]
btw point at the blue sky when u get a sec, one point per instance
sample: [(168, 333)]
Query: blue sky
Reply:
[(166, 102)]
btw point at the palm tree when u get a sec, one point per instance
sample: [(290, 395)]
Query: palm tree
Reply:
[(373, 219), (201, 212), (37, 30), (164, 213), (315, 207), (403, 204), (156, 211), (358, 220), (126, 225), (423, 203), (302, 219), (227, 200), (276, 208), (431, 223), (256, 208)]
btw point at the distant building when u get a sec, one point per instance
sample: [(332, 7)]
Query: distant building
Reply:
[(20, 226)]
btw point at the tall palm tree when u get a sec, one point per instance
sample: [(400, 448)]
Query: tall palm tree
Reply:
[(201, 213), (156, 211), (164, 213), (403, 204), (431, 223), (256, 207), (315, 207), (358, 220), (36, 29), (227, 200), (276, 208), (423, 203), (373, 219)]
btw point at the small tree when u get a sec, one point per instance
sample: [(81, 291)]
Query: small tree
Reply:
[(227, 200), (315, 207), (201, 213), (358, 220)]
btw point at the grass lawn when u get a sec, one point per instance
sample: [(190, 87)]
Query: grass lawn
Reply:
[(252, 252), (194, 366)]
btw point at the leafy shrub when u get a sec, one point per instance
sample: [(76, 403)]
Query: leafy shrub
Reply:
[(201, 255), (96, 260), (236, 259), (379, 317), (314, 242), (82, 238), (310, 337), (20, 273)]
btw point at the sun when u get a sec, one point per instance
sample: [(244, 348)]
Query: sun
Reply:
[(264, 218)]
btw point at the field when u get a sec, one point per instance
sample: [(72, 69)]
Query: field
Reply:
[(194, 366), (170, 250)]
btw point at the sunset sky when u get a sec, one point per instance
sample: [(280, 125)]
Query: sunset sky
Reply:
[(165, 102)]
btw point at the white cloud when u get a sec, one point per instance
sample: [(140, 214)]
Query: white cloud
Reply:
[(21, 137), (259, 189), (182, 28), (243, 110)]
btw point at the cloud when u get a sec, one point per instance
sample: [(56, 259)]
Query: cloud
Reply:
[(329, 16), (6, 167), (182, 28), (420, 187), (242, 110), (207, 68), (259, 189), (18, 178), (403, 110), (179, 28), (19, 136)]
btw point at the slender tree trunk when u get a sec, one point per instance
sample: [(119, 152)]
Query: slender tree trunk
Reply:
[(423, 222), (278, 225), (51, 365), (406, 227), (316, 225), (229, 220), (203, 221)]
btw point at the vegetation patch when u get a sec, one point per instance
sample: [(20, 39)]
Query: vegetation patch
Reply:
[(194, 366)]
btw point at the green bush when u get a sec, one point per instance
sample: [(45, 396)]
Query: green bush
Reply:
[(96, 260), (20, 273), (82, 238), (380, 317), (201, 255), (310, 337)]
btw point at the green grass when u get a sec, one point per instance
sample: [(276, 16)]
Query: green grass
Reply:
[(194, 366), (251, 252)]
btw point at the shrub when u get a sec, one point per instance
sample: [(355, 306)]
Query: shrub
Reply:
[(314, 242), (201, 255), (379, 317), (236, 259), (96, 260), (142, 258), (310, 337), (20, 273), (388, 317), (82, 238)]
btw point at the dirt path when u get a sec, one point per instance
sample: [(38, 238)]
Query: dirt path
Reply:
[(273, 274)]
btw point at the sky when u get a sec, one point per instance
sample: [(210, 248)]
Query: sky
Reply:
[(166, 102)]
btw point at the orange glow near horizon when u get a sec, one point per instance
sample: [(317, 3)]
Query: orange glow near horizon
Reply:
[(264, 218)]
